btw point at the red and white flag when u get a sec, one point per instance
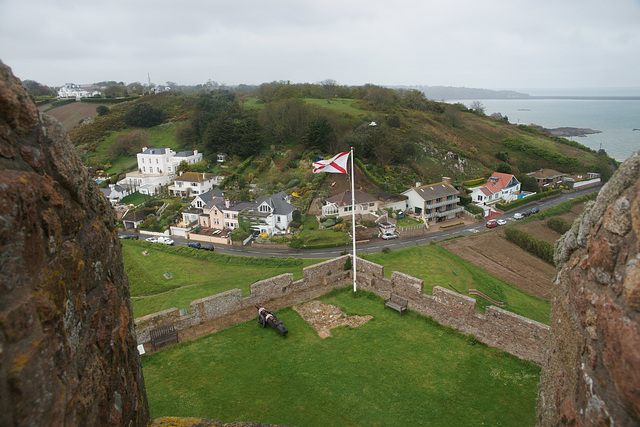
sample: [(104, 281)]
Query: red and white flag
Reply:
[(336, 164)]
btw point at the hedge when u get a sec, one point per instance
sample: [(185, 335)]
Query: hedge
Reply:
[(369, 176), (540, 248), (108, 100), (558, 224), (474, 182), (519, 202), (565, 207)]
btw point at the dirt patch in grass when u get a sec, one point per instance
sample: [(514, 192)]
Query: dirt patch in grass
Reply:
[(324, 317), (71, 114), (506, 261)]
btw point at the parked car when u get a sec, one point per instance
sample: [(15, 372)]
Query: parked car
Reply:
[(492, 223), (501, 222), (151, 240), (389, 236), (195, 245), (518, 215), (535, 210), (165, 241), (207, 247), (128, 236)]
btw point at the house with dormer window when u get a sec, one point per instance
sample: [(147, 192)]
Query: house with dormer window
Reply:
[(269, 214), (499, 186), (434, 202)]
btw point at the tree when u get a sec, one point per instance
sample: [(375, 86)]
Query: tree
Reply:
[(477, 107), (329, 87), (128, 144), (453, 114), (319, 134), (37, 89), (144, 115), (504, 168), (136, 88), (102, 110), (115, 91)]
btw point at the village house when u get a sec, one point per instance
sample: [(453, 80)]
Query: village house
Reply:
[(434, 202), (499, 186), (341, 204), (206, 208), (270, 214), (156, 168), (115, 193), (547, 177), (189, 184)]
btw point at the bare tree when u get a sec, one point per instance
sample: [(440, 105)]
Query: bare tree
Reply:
[(477, 107), (329, 86)]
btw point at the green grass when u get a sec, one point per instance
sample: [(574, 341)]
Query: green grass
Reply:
[(135, 198), (310, 237), (390, 371), (193, 277), (435, 265), (408, 222), (342, 105)]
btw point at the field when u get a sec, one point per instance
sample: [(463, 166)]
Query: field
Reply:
[(391, 370), (70, 115), (505, 260)]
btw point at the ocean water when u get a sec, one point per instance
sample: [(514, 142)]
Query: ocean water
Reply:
[(616, 119)]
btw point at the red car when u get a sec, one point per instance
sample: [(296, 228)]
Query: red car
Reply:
[(492, 223)]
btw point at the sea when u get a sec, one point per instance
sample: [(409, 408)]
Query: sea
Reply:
[(615, 118)]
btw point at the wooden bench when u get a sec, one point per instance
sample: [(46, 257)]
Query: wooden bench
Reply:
[(163, 335), (396, 302)]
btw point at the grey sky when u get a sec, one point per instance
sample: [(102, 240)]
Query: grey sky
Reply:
[(489, 43)]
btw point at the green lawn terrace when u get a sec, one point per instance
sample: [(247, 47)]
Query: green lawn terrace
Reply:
[(390, 370)]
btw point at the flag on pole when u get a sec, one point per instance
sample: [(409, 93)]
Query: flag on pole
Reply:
[(336, 164)]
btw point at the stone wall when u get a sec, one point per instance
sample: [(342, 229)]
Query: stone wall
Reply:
[(592, 370), (497, 327), (67, 344)]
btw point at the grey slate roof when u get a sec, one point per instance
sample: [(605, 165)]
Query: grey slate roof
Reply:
[(209, 195), (344, 199), (154, 151), (184, 154), (433, 191)]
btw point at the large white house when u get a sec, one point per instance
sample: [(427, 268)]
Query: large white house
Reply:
[(70, 90), (341, 204), (499, 186), (157, 167), (270, 214)]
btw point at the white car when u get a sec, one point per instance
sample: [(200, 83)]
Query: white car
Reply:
[(518, 216), (151, 240), (389, 236), (502, 222), (165, 241)]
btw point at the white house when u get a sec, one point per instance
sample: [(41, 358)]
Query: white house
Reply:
[(270, 215), (192, 183), (156, 168), (341, 204), (70, 90), (499, 186), (437, 201), (114, 193)]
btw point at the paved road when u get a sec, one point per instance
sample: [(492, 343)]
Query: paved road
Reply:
[(392, 244)]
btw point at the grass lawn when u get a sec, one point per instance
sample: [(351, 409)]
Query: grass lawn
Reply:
[(342, 105), (135, 198), (390, 371), (436, 266), (408, 222), (313, 238), (193, 277)]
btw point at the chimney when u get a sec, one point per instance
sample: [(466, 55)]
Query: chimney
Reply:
[(227, 203), (418, 184), (144, 149), (203, 177), (447, 180)]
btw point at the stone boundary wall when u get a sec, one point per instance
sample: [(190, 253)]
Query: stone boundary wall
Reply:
[(518, 335)]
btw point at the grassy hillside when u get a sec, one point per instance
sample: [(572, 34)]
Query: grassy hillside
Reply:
[(413, 139)]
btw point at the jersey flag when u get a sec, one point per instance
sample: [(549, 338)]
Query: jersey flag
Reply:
[(336, 164)]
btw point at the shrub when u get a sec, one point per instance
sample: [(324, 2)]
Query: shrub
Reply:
[(102, 110), (525, 200), (386, 250), (144, 115), (558, 224)]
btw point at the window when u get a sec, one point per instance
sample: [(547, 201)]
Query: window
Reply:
[(277, 218), (156, 161), (216, 221), (144, 169)]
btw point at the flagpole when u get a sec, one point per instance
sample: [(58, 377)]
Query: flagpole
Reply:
[(353, 219)]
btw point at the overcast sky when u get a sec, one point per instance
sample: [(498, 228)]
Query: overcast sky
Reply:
[(485, 44)]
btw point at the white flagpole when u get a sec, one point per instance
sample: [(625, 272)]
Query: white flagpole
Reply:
[(353, 219)]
